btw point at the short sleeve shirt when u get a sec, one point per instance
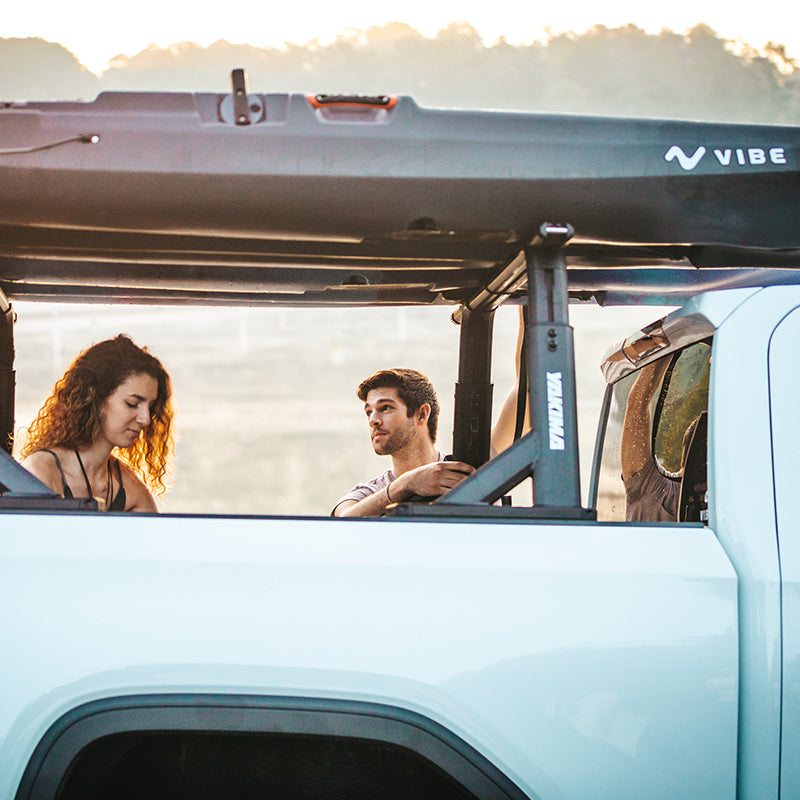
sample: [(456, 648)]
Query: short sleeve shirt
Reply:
[(362, 490)]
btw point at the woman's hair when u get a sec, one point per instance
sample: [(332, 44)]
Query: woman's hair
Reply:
[(71, 416)]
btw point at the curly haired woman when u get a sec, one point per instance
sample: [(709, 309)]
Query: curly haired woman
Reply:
[(104, 432)]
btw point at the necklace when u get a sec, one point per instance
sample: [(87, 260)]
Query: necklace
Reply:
[(109, 480)]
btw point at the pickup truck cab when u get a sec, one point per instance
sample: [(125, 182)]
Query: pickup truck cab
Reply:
[(465, 648)]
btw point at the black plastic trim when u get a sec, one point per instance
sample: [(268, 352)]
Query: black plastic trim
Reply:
[(46, 503), (88, 723), (599, 442), (479, 512)]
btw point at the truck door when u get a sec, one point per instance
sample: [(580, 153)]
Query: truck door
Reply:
[(784, 387)]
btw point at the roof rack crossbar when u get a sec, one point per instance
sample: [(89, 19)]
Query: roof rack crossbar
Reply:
[(500, 288)]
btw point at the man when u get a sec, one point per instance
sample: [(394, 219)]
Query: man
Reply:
[(403, 415)]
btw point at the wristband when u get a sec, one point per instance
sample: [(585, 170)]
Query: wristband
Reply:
[(388, 498)]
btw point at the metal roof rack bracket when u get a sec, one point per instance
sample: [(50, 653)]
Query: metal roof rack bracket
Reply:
[(549, 453), (240, 107)]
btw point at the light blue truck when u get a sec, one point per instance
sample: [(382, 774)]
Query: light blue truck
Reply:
[(465, 648)]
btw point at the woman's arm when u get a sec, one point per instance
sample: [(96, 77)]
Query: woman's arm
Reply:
[(137, 496), (505, 426)]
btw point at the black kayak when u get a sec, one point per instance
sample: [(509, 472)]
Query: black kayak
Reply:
[(271, 197)]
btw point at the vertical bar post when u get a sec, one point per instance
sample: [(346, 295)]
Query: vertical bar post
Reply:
[(7, 378), (241, 103), (551, 371), (473, 394)]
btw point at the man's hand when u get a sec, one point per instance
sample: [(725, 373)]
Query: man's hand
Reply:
[(430, 480)]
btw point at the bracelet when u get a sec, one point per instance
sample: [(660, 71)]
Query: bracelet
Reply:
[(388, 497)]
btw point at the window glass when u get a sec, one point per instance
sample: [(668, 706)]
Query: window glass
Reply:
[(610, 488), (652, 418), (685, 397)]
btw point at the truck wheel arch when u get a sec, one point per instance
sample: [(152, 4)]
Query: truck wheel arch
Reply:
[(321, 747)]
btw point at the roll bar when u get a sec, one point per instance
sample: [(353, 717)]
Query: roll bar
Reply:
[(549, 453)]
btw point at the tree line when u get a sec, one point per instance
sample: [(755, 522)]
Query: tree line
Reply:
[(618, 71)]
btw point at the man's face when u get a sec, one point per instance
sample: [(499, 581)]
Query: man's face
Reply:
[(390, 427)]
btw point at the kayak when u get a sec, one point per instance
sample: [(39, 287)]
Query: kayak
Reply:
[(170, 195)]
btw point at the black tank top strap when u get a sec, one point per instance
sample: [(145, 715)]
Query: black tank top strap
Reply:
[(118, 503), (85, 476), (67, 490)]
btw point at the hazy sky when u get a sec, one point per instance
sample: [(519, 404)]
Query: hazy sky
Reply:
[(97, 30)]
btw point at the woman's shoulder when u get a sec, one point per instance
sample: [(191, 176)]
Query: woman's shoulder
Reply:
[(137, 496), (47, 466), (51, 457)]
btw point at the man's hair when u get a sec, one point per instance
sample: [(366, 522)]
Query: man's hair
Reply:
[(413, 388)]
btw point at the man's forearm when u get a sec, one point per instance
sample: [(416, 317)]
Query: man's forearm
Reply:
[(372, 505)]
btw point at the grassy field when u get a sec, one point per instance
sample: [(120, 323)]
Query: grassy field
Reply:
[(267, 418)]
